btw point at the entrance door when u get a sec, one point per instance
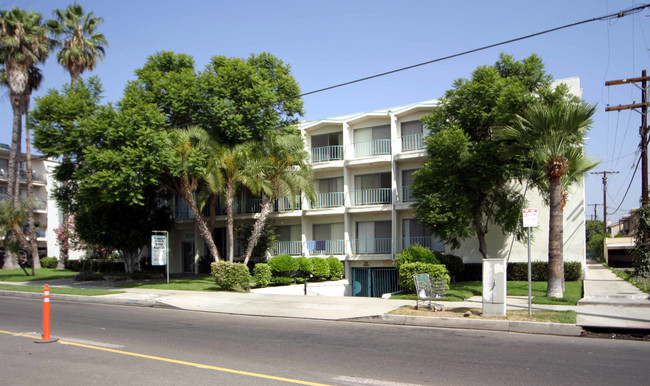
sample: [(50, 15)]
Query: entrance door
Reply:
[(188, 256), (374, 282)]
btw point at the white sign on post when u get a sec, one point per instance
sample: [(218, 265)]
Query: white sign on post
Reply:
[(530, 218), (158, 250)]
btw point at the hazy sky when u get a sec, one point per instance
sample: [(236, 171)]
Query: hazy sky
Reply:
[(330, 42)]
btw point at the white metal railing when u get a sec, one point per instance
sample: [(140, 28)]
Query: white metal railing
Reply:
[(412, 142), (326, 247), (284, 204), (327, 153), (407, 193), (381, 245), (431, 242), (330, 200), (371, 196), (373, 147), (287, 248)]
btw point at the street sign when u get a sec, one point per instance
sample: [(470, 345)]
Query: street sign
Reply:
[(530, 218), (158, 250)]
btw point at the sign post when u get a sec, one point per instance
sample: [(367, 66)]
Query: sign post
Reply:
[(530, 220), (160, 250)]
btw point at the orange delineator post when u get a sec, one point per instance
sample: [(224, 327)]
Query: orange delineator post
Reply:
[(46, 312)]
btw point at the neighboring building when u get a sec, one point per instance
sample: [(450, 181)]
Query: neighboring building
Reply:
[(625, 226), (46, 213), (363, 171)]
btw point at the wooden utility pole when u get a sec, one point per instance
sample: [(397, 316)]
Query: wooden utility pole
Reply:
[(604, 198), (595, 209)]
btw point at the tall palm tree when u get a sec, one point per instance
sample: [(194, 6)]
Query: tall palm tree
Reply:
[(555, 134), (23, 43), (81, 45), (229, 168), (284, 171), (185, 172)]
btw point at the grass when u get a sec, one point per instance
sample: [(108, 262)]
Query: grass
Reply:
[(18, 275), (641, 283), (55, 290), (568, 317), (460, 291), (190, 283)]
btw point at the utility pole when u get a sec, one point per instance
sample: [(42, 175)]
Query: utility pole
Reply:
[(604, 198), (643, 131), (595, 217)]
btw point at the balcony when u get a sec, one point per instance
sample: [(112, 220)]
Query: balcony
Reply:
[(365, 246), (412, 142), (371, 196), (284, 204), (329, 200), (326, 247), (372, 148), (327, 153), (293, 248), (407, 194), (431, 242)]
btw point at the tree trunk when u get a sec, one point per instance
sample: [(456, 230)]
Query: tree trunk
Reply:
[(555, 241), (36, 263), (187, 194), (230, 222), (267, 205), (480, 231), (14, 154), (130, 258)]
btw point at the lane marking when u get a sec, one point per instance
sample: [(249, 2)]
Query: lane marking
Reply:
[(169, 360), (372, 382)]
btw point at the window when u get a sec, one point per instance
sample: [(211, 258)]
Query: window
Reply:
[(327, 147), (373, 237), (407, 185), (330, 192), (371, 141), (412, 135), (412, 127), (415, 233), (372, 189)]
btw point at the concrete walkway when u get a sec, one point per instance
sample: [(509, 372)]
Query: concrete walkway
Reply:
[(609, 302)]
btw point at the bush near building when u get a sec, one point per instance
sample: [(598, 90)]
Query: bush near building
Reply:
[(407, 270), (336, 267), (231, 275), (283, 265), (262, 275), (321, 268)]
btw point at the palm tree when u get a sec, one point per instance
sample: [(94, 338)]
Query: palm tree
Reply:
[(23, 43), (284, 171), (185, 172), (81, 45), (554, 134), (229, 168)]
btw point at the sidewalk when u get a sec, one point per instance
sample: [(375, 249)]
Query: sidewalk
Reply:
[(609, 302)]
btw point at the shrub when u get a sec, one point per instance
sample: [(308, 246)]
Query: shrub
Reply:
[(321, 267), (407, 270), (283, 265), (415, 253), (49, 262), (336, 267), (230, 275), (305, 267), (472, 272), (262, 274), (454, 264), (539, 271), (283, 280), (88, 276)]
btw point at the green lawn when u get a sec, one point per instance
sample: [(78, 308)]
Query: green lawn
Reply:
[(17, 275), (458, 292), (54, 290), (190, 283)]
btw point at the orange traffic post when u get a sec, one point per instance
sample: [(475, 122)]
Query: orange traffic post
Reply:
[(46, 316)]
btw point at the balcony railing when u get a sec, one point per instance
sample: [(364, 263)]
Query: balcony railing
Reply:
[(326, 247), (407, 193), (371, 196), (381, 245), (330, 200), (431, 242), (327, 153), (293, 248), (183, 212), (370, 148), (412, 142), (284, 204)]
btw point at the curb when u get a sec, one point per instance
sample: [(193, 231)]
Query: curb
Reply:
[(474, 324), (87, 299)]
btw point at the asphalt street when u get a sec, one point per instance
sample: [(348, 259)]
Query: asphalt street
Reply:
[(166, 346)]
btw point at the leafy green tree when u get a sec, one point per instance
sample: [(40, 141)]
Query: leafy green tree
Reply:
[(555, 135), (284, 171), (466, 184), (641, 247), (81, 45), (594, 236)]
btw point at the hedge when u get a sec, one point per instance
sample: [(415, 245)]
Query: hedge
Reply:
[(262, 274), (305, 267), (454, 264), (230, 275), (539, 271), (336, 267), (321, 268), (49, 262), (407, 270), (283, 265), (415, 253)]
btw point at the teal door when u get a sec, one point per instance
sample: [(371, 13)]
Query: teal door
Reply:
[(374, 282)]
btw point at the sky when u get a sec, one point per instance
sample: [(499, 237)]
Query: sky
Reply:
[(332, 42)]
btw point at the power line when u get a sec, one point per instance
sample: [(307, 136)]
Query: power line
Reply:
[(630, 184)]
